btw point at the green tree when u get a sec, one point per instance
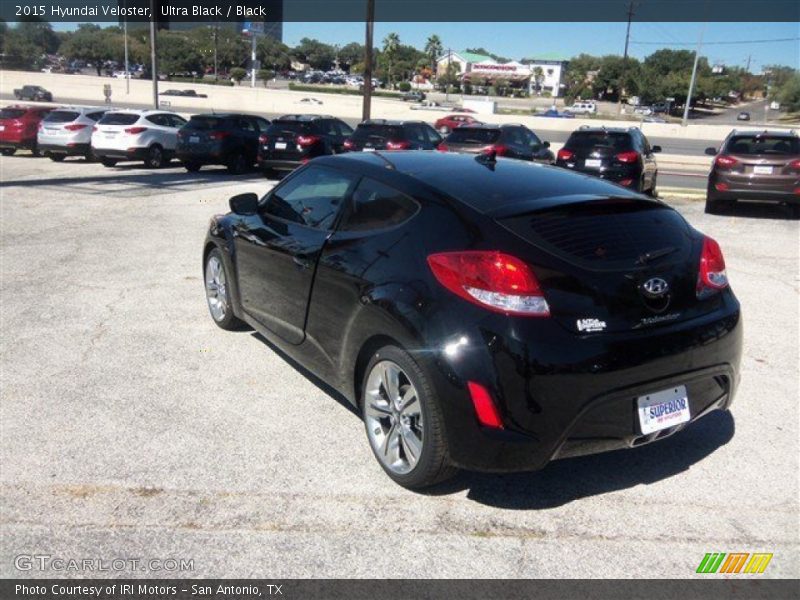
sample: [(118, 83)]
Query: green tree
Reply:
[(272, 53), (351, 54), (265, 75), (314, 53), (177, 53), (90, 43), (789, 93), (238, 73)]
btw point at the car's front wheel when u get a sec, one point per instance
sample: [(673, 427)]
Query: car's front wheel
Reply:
[(57, 157), (218, 295), (155, 157), (403, 420), (108, 162), (8, 151)]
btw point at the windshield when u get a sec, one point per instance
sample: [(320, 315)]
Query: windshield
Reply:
[(118, 119), (467, 135), (205, 123), (586, 140), (12, 113), (61, 116), (279, 127), (764, 144), (364, 132)]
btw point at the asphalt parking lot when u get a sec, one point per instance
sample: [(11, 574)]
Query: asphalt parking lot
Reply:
[(131, 426)]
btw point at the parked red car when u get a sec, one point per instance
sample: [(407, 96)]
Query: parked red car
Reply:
[(18, 127), (450, 122)]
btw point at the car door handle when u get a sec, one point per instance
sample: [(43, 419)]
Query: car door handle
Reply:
[(301, 261)]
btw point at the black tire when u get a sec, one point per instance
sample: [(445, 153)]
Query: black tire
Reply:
[(237, 164), (155, 157), (192, 167), (433, 465), (8, 151), (108, 162), (57, 157), (652, 191), (270, 173), (228, 321), (794, 211)]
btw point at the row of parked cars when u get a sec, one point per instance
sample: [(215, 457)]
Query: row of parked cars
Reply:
[(748, 165)]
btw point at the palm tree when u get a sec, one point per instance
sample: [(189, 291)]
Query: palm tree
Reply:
[(391, 43), (434, 49)]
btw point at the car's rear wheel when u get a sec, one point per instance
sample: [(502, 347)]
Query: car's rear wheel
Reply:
[(192, 167), (8, 151), (218, 294), (715, 205), (57, 157), (237, 164), (652, 191), (35, 149), (403, 420), (155, 157), (108, 162)]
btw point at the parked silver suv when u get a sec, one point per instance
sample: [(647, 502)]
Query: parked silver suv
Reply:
[(67, 131)]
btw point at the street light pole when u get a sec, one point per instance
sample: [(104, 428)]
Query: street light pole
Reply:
[(153, 57), (685, 120), (366, 108), (624, 59), (125, 36)]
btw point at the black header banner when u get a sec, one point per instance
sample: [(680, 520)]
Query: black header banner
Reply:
[(204, 11)]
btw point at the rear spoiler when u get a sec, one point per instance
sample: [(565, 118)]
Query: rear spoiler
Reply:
[(534, 205)]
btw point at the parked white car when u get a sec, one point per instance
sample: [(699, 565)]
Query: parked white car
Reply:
[(147, 135), (583, 108), (67, 131), (120, 74)]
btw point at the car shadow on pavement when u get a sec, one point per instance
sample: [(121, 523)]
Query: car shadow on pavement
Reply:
[(761, 210), (564, 481)]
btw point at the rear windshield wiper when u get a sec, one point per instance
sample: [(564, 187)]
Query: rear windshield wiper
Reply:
[(654, 254)]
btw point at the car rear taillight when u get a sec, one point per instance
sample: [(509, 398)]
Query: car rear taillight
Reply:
[(135, 130), (627, 157), (398, 145), (491, 279), (349, 144), (443, 147), (218, 135), (496, 149), (263, 139), (721, 186), (307, 140), (75, 127), (712, 275), (795, 165), (565, 154), (485, 408), (725, 162), (94, 128)]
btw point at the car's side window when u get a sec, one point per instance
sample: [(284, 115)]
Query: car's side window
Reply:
[(432, 134), (344, 129), (176, 121), (262, 124), (376, 206), (160, 120), (311, 198)]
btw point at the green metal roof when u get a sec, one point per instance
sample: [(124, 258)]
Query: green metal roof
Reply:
[(474, 58)]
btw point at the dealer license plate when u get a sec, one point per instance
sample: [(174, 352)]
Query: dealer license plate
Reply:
[(663, 409), (369, 149), (762, 170), (280, 145), (593, 163), (193, 139)]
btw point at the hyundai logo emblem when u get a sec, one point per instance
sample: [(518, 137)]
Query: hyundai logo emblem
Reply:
[(655, 287)]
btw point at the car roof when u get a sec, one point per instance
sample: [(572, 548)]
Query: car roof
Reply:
[(83, 108), (393, 122), (487, 186), (225, 115), (769, 132), (588, 129), (302, 117)]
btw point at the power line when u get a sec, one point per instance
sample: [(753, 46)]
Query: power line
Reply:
[(728, 43)]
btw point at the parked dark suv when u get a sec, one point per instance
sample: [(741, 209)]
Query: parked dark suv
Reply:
[(623, 156), (511, 141), (755, 165), (229, 139), (292, 140), (380, 134)]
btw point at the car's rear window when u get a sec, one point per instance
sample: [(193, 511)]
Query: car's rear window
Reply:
[(364, 132), (205, 123), (764, 144), (12, 113), (470, 135), (118, 119), (289, 126), (61, 116), (585, 140)]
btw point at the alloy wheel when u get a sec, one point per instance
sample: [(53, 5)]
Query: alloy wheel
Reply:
[(216, 289), (394, 417)]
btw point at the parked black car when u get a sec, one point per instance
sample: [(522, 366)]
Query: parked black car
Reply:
[(623, 156), (229, 139), (35, 93), (511, 141), (382, 134), (482, 313), (292, 140), (413, 96)]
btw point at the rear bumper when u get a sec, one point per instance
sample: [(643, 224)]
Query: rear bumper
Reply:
[(632, 173), (70, 149), (18, 144), (754, 190), (566, 395), (128, 154), (279, 165)]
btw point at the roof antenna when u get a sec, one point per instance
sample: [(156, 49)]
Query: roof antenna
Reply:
[(389, 164)]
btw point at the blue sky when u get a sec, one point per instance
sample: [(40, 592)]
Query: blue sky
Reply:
[(519, 40)]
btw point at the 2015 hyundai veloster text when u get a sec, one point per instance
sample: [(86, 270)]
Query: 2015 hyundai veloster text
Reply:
[(482, 313)]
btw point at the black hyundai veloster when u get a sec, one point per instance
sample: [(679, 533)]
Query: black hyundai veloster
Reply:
[(482, 313)]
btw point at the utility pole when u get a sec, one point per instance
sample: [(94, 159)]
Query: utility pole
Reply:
[(125, 36), (153, 58), (685, 120), (747, 68), (253, 59), (367, 103), (624, 58), (447, 76)]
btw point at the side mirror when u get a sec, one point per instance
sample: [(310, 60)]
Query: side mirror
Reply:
[(545, 144), (655, 149), (711, 151), (244, 204)]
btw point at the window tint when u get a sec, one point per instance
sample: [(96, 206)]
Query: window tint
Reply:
[(12, 113), (245, 124), (279, 127), (381, 132), (344, 128), (432, 135), (119, 119), (96, 116), (160, 120), (415, 133), (764, 144), (312, 198), (261, 124), (585, 140), (61, 116), (468, 135), (375, 206), (327, 127), (205, 123), (515, 135)]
